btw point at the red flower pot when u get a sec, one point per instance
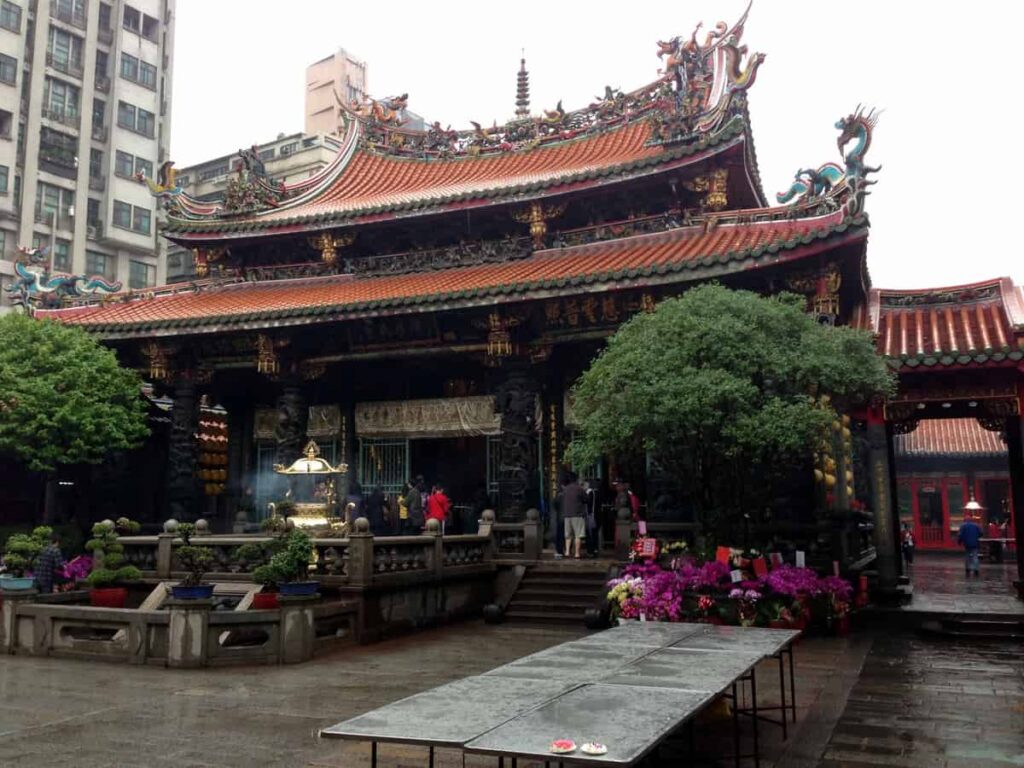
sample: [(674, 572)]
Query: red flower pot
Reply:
[(263, 601), (109, 597)]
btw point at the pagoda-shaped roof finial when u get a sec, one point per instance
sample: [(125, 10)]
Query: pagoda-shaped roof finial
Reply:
[(523, 89)]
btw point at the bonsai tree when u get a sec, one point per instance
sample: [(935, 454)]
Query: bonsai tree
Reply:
[(289, 563), (195, 559), (727, 391), (108, 553), (64, 399), (22, 549)]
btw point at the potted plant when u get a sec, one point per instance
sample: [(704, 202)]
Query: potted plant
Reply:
[(20, 553), (108, 558), (197, 561), (251, 557), (288, 568)]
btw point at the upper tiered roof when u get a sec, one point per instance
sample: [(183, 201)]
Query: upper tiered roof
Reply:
[(697, 108)]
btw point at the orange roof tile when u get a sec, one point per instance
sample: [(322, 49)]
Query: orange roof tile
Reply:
[(687, 249), (962, 324), (950, 437)]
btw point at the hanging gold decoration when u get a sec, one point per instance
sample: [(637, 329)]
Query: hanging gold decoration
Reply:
[(267, 360), (328, 244), (158, 360), (537, 216), (499, 338)]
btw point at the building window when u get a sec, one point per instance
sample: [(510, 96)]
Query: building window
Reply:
[(10, 16), (140, 220), (150, 27), (132, 19), (143, 167), (6, 124), (183, 181), (72, 11), (287, 149), (102, 62), (92, 215), (8, 69), (122, 215), (214, 172), (124, 164), (99, 264), (62, 255), (4, 172), (141, 274), (60, 99), (267, 154), (64, 51), (3, 243), (99, 113), (104, 16), (129, 67), (135, 119), (56, 148), (147, 75)]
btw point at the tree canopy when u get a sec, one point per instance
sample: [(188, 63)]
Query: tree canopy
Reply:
[(725, 388), (64, 399)]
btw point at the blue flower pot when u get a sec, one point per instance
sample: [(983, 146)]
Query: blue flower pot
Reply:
[(298, 588), (197, 592), (16, 583)]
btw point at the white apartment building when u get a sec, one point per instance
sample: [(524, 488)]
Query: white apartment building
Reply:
[(287, 159), (338, 76), (85, 104)]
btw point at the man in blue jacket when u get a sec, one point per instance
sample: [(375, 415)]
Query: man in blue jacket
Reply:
[(969, 537)]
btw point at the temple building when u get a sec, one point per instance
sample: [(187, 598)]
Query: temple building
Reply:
[(423, 305)]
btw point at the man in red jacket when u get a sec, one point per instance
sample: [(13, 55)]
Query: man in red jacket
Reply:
[(438, 505)]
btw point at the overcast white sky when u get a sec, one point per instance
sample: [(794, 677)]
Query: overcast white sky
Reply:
[(942, 72)]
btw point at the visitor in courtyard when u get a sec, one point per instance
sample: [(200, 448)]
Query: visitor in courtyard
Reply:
[(402, 525), (414, 503), (907, 544), (49, 565), (970, 538), (438, 505), (995, 546), (377, 512), (590, 508), (574, 508)]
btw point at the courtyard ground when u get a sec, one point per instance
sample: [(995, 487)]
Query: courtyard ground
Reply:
[(877, 698)]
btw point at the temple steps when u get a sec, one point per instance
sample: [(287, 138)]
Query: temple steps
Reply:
[(975, 629), (558, 593)]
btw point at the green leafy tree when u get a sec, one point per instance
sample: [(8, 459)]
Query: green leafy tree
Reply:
[(729, 390), (64, 399)]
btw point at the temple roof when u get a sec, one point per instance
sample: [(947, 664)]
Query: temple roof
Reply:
[(979, 323), (681, 254), (695, 108), (949, 438)]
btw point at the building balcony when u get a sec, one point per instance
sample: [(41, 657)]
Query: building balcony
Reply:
[(97, 183), (67, 66), (63, 116), (103, 83), (105, 36), (57, 166), (74, 17), (99, 133), (50, 217), (94, 230)]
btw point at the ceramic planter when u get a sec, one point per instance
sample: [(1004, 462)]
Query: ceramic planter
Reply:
[(298, 588), (263, 601), (108, 597), (15, 583), (196, 592)]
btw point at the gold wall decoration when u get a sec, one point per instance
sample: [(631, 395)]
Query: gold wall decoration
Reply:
[(158, 360), (268, 360), (553, 458), (537, 216), (715, 187)]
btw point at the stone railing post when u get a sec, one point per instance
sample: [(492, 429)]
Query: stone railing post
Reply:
[(164, 549), (486, 525), (188, 624), (435, 550), (623, 533), (531, 535), (297, 632), (360, 553), (9, 618)]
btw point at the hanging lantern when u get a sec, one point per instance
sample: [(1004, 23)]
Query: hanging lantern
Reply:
[(267, 360), (499, 339)]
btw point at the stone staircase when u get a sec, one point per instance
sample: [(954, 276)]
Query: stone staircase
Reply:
[(975, 628), (559, 592)]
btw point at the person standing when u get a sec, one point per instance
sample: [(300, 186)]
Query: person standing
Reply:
[(590, 508), (438, 505), (970, 537), (402, 526), (48, 565), (574, 507), (376, 504), (907, 544), (414, 503)]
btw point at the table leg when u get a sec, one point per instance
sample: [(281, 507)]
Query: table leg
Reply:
[(753, 704), (792, 683), (430, 759), (373, 754), (735, 726), (692, 738), (782, 693), (501, 762)]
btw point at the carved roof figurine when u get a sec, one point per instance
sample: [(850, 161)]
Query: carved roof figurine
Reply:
[(523, 90)]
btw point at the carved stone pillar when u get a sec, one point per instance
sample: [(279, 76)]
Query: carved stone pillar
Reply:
[(182, 485), (879, 450), (290, 433), (1015, 449), (515, 400)]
